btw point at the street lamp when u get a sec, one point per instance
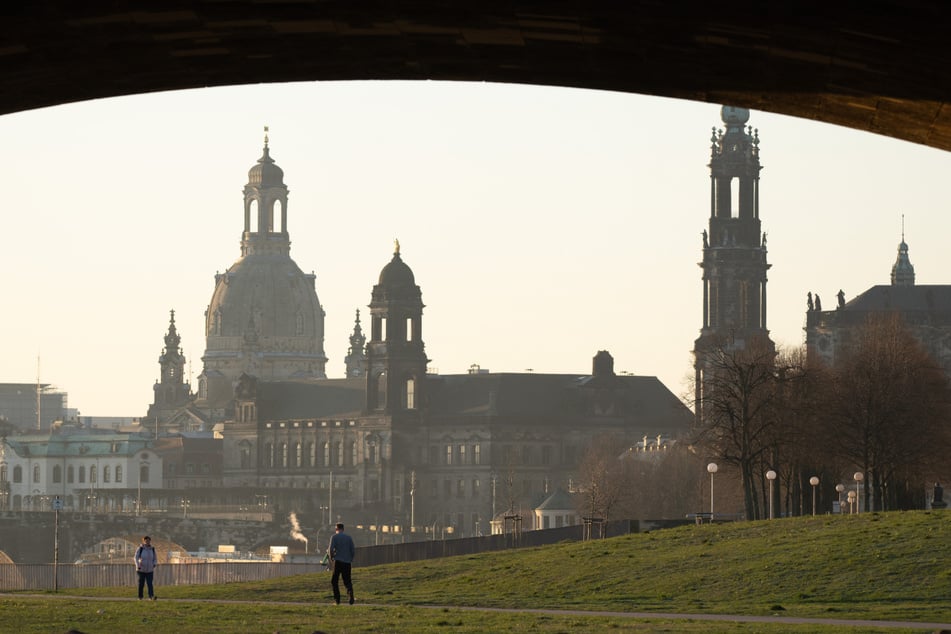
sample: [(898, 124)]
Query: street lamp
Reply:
[(814, 481), (185, 505), (711, 469), (770, 475), (839, 488), (852, 495), (858, 477)]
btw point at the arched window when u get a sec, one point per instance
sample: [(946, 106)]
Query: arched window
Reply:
[(82, 473), (36, 473), (338, 454), (3, 473), (92, 473), (311, 454), (326, 452), (410, 393), (144, 473), (57, 473), (298, 455), (118, 473), (381, 390), (284, 454), (352, 453), (107, 473)]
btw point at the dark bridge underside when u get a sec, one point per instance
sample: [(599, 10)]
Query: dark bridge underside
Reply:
[(879, 66)]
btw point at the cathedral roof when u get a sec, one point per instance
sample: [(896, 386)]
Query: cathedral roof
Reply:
[(289, 400), (919, 298)]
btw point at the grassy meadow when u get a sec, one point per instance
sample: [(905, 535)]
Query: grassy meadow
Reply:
[(874, 566)]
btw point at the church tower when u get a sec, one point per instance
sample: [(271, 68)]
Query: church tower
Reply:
[(264, 319), (903, 273), (172, 392), (356, 359), (734, 247), (396, 358)]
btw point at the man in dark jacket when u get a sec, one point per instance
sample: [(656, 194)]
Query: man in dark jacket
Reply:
[(341, 551)]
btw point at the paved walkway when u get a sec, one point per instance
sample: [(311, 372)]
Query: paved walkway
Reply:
[(734, 618)]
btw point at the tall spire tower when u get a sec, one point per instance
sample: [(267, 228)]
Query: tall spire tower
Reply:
[(734, 246), (903, 273)]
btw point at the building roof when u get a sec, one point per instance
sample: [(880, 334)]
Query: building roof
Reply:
[(87, 445), (933, 298), (286, 400)]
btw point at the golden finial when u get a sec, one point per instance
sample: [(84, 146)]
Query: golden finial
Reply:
[(265, 136), (396, 247)]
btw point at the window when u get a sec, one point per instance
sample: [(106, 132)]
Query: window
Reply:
[(433, 454), (244, 450), (18, 473), (447, 488), (118, 473), (36, 473), (57, 473), (546, 455), (283, 447), (205, 468), (477, 454), (268, 456), (311, 454), (92, 473), (326, 452), (461, 488), (381, 390), (527, 456), (409, 329), (410, 393), (352, 452), (82, 473), (371, 453), (462, 454), (475, 487), (70, 474), (3, 473), (190, 468), (107, 474), (448, 454), (434, 488), (338, 454)]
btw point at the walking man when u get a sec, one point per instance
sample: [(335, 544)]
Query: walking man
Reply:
[(341, 551), (145, 562)]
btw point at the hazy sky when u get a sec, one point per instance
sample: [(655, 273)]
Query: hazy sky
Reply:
[(542, 224)]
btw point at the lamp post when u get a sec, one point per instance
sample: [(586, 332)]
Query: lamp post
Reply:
[(814, 481), (185, 504), (711, 469), (852, 495), (770, 475), (858, 477), (839, 488)]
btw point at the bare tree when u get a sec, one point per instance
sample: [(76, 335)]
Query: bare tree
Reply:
[(887, 409), (604, 478), (745, 397)]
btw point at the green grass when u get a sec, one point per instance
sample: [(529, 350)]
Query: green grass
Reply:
[(882, 566)]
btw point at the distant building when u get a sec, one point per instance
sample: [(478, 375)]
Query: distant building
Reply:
[(97, 471), (20, 406), (924, 309)]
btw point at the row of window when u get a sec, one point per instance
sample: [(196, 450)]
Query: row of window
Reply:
[(461, 488), (71, 473), (298, 454), (463, 454)]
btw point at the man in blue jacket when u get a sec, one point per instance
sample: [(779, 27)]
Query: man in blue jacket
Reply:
[(341, 551)]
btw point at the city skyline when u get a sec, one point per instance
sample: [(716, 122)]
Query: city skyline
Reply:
[(542, 224)]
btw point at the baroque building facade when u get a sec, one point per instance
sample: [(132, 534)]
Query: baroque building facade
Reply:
[(734, 249), (400, 446), (925, 309)]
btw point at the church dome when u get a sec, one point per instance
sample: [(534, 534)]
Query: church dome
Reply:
[(264, 318), (396, 274), (266, 173)]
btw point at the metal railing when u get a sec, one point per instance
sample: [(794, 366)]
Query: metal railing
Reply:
[(41, 576)]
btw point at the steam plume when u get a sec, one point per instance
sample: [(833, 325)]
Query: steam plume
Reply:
[(295, 530)]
